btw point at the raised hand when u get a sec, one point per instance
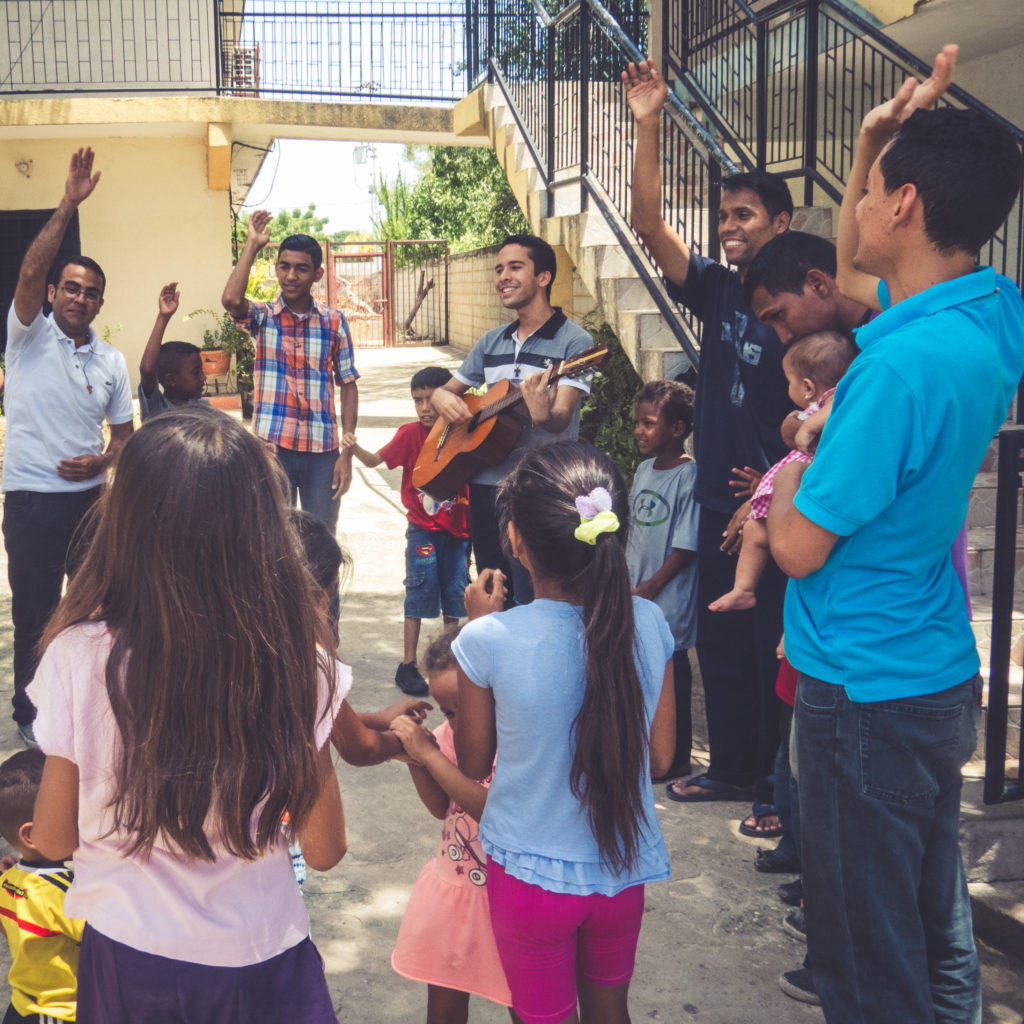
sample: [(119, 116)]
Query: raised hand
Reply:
[(646, 90), (259, 233), (81, 181), (169, 297), (884, 120)]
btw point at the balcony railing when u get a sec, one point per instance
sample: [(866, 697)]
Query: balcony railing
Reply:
[(786, 87)]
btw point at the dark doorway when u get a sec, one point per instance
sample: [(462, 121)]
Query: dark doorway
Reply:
[(17, 229)]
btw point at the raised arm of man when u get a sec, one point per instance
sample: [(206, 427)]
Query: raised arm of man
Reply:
[(646, 92), (233, 297), (878, 127), (31, 289)]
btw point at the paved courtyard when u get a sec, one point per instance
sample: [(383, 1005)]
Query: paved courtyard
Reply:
[(712, 945)]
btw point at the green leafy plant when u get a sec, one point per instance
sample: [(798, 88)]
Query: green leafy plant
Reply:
[(606, 417), (227, 337)]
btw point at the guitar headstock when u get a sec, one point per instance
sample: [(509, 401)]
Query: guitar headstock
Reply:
[(585, 362)]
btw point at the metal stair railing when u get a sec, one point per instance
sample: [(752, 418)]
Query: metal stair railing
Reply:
[(786, 84), (559, 75)]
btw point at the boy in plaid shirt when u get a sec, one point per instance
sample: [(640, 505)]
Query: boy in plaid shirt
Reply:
[(302, 349)]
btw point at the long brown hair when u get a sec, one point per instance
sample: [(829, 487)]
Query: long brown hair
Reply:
[(212, 676), (610, 731)]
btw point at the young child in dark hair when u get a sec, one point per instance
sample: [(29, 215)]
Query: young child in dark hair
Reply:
[(662, 546), (44, 941), (437, 538), (446, 938), (170, 372), (813, 366), (574, 693)]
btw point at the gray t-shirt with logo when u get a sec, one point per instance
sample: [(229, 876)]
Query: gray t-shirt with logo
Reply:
[(664, 513)]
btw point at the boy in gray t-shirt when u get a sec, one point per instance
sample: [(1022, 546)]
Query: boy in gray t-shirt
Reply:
[(662, 546)]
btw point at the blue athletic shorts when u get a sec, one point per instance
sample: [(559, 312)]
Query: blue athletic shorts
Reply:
[(436, 574)]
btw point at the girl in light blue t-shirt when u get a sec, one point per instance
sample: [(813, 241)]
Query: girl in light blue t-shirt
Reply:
[(574, 693)]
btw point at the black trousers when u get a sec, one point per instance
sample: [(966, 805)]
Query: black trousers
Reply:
[(38, 531), (736, 651), (488, 552)]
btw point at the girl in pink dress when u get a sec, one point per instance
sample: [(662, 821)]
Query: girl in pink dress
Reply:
[(446, 938)]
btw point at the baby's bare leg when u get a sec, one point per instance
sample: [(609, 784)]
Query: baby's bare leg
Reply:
[(749, 566)]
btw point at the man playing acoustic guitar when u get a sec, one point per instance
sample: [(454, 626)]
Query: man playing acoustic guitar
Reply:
[(527, 352)]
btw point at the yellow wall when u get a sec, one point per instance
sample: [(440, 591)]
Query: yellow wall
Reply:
[(152, 219)]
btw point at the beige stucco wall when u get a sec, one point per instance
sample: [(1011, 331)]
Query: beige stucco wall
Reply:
[(152, 219)]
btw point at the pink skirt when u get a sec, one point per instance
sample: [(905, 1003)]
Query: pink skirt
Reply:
[(446, 939)]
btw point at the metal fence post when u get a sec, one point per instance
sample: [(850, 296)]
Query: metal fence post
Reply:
[(810, 100), (761, 94), (584, 130), (550, 133), (491, 32)]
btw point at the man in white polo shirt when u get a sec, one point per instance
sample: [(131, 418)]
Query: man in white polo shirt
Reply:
[(62, 383)]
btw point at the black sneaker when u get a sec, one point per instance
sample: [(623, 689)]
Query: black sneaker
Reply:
[(799, 985), (794, 925), (409, 680), (791, 892)]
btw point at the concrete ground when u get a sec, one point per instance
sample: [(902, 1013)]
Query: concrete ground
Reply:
[(712, 946)]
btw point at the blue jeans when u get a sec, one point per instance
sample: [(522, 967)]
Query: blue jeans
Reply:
[(888, 916), (309, 477), (436, 573)]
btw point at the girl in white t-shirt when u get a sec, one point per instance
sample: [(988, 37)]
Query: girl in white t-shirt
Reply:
[(574, 693), (183, 709)]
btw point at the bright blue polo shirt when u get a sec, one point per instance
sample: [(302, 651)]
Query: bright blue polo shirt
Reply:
[(885, 616)]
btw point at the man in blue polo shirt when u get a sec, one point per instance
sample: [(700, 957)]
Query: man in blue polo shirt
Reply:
[(888, 701), (526, 351)]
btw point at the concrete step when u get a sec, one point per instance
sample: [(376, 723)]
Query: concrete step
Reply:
[(980, 560)]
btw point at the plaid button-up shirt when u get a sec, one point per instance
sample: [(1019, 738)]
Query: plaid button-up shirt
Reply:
[(298, 359)]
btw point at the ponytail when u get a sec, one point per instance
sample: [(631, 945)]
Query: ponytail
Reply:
[(610, 761)]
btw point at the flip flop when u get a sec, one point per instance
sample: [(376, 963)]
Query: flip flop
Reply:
[(757, 812), (710, 789)]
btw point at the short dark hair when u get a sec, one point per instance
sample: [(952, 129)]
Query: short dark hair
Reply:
[(20, 776), (323, 554), (770, 188), (542, 255), (966, 169), (168, 359), (430, 377), (439, 656), (673, 398), (57, 270), (303, 243), (823, 357), (782, 264)]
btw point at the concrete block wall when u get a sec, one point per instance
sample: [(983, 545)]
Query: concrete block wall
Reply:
[(474, 306)]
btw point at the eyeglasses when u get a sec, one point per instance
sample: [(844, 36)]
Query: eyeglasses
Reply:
[(72, 291)]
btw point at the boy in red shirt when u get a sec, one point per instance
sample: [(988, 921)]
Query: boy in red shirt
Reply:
[(437, 545)]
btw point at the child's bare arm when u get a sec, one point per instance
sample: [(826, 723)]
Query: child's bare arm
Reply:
[(359, 745), (419, 744), (676, 562), (810, 429), (790, 428), (55, 819), (434, 798), (167, 306), (371, 459), (322, 836), (381, 720)]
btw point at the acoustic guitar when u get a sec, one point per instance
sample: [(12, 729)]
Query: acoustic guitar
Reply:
[(452, 455)]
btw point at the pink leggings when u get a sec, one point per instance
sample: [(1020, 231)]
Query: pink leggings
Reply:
[(548, 939)]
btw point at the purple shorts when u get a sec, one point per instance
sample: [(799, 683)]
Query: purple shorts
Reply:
[(120, 985), (548, 939)]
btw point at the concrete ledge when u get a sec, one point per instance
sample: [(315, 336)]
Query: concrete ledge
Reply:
[(999, 915)]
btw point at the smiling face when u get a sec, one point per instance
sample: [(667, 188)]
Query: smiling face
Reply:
[(296, 276), (444, 688), (652, 431), (424, 410), (744, 225), (514, 277), (76, 299), (794, 316)]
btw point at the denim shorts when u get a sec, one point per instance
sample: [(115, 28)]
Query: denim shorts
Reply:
[(436, 574)]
